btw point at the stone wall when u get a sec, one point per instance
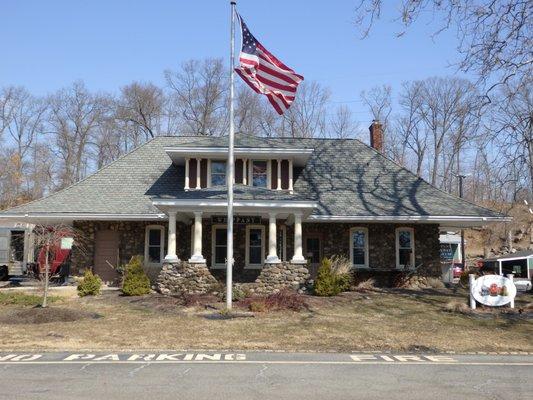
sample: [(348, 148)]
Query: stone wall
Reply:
[(274, 277), (184, 278)]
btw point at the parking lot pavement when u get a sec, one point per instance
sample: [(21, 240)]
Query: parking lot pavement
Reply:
[(258, 375)]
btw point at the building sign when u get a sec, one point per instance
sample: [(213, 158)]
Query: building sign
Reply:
[(493, 290), (446, 252), (237, 219)]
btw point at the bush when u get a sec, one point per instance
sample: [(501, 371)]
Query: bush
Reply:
[(89, 285), (365, 286), (238, 293), (136, 282), (283, 300), (330, 283)]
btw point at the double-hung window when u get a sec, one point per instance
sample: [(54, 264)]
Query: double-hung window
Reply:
[(359, 247), (255, 249), (260, 174), (218, 173), (220, 249), (405, 248), (154, 244)]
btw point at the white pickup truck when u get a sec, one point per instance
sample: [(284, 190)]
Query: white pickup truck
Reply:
[(15, 250)]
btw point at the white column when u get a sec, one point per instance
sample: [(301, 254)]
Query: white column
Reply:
[(171, 250), (279, 174), (197, 257), (290, 175), (244, 172), (272, 257), (298, 253), (208, 172), (187, 174), (198, 176)]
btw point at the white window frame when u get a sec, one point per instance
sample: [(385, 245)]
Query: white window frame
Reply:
[(398, 230), (247, 251), (282, 228), (268, 172), (148, 228), (365, 230), (211, 170), (214, 265)]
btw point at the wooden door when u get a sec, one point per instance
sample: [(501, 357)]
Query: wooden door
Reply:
[(106, 255), (313, 251)]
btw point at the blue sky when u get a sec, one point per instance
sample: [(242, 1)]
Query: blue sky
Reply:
[(49, 44)]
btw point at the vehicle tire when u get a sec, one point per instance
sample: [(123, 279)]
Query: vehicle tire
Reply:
[(4, 273)]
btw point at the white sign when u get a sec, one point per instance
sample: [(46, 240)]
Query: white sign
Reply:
[(493, 290)]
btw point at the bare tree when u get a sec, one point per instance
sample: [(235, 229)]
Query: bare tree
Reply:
[(494, 36), (52, 239), (307, 115), (408, 125), (199, 91), (343, 125), (141, 104), (379, 102), (27, 114), (512, 124), (75, 114)]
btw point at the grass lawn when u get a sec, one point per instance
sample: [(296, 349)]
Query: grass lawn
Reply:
[(396, 320)]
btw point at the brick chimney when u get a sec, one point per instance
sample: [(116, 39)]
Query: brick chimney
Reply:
[(376, 135)]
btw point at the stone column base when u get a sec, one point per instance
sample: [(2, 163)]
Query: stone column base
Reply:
[(185, 278)]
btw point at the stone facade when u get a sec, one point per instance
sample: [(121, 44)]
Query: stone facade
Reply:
[(334, 238), (184, 278), (274, 277), (132, 241)]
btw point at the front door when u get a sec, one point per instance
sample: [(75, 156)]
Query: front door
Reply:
[(106, 255)]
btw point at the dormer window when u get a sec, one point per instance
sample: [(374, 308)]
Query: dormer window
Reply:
[(260, 174), (218, 173)]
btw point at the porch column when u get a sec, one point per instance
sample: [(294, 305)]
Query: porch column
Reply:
[(278, 186), (198, 176), (171, 256), (244, 172), (272, 257), (298, 257), (187, 174), (197, 256), (290, 175)]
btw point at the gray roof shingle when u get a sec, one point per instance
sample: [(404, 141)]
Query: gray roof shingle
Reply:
[(344, 176)]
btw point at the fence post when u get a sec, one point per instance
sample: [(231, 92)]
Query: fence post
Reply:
[(471, 280), (511, 277)]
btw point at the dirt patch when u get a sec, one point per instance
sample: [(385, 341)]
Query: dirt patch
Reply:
[(39, 315)]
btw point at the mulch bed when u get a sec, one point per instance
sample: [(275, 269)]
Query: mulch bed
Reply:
[(39, 315)]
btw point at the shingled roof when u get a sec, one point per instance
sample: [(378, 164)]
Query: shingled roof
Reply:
[(343, 176)]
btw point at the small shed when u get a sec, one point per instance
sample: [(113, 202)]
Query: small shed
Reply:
[(520, 264)]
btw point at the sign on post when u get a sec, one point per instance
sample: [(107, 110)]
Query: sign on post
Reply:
[(492, 290)]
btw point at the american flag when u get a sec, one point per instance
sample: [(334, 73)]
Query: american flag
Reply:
[(265, 74)]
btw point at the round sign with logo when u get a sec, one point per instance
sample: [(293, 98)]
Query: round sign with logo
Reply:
[(493, 290)]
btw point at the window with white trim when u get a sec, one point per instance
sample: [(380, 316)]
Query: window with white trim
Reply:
[(218, 173), (219, 250), (359, 247), (154, 249), (255, 246), (259, 172), (405, 248)]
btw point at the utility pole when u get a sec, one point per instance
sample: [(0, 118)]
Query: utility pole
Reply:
[(463, 254)]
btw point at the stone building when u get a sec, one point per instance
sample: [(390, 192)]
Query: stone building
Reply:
[(297, 200)]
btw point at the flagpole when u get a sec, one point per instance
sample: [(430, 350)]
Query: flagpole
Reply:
[(231, 167)]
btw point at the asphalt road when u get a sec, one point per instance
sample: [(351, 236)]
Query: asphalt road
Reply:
[(223, 375)]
